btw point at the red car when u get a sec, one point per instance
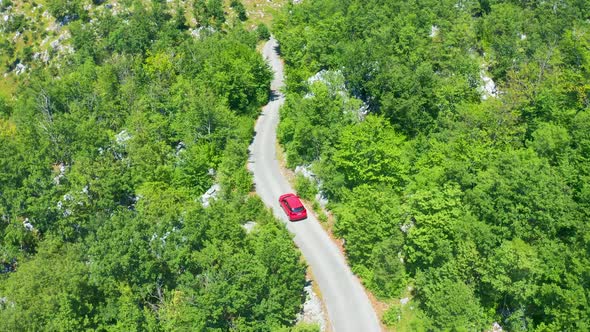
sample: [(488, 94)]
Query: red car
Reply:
[(293, 207)]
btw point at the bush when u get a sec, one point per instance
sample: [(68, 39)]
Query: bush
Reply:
[(233, 176), (388, 272), (16, 23), (322, 216), (305, 187), (66, 11), (392, 316), (306, 327), (5, 4), (240, 9), (263, 32), (252, 208)]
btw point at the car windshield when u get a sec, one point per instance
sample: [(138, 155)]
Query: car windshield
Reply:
[(299, 209)]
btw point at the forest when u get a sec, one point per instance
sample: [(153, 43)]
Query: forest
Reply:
[(450, 138), (452, 141), (115, 119)]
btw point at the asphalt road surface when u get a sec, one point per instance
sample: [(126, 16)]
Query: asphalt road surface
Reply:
[(349, 308)]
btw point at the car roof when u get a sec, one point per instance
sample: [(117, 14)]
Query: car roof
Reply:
[(293, 201)]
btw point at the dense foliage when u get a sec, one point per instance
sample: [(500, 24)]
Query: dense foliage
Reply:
[(476, 197), (104, 156)]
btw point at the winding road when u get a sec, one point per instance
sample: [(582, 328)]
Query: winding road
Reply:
[(349, 308)]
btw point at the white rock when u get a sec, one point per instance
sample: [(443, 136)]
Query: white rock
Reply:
[(66, 49), (488, 89), (332, 78), (249, 226), (406, 227), (45, 41), (53, 27), (212, 193), (433, 31), (44, 56), (305, 171), (180, 147), (122, 137), (197, 31), (312, 309), (321, 199), (20, 68), (64, 35), (28, 226), (61, 174), (54, 44), (362, 112), (496, 327)]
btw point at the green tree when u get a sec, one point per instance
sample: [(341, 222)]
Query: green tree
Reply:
[(388, 270), (522, 194), (262, 31), (238, 6), (551, 141), (370, 152), (370, 216), (451, 304), (285, 275), (66, 10), (51, 291), (473, 173), (209, 13)]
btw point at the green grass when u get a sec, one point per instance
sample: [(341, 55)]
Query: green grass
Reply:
[(405, 318), (411, 319), (7, 86), (262, 11)]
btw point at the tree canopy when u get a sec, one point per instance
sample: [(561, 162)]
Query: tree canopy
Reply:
[(451, 140), (105, 153)]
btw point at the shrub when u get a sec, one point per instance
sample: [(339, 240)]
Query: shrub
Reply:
[(392, 316), (305, 187), (263, 32), (240, 9)]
